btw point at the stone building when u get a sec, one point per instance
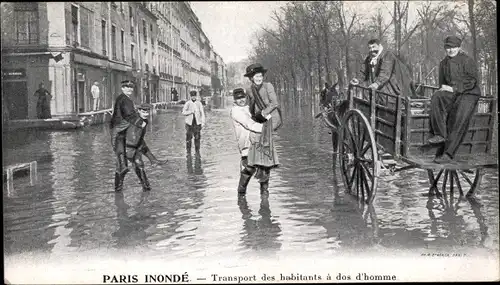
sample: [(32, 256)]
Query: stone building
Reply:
[(70, 45)]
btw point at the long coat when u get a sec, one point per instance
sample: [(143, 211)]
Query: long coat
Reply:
[(260, 155), (391, 74)]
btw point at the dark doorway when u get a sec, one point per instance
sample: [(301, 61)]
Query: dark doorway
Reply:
[(81, 96), (16, 95)]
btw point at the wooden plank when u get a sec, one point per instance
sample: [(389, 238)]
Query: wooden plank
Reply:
[(373, 111), (408, 122), (459, 163), (385, 122), (397, 147), (383, 134), (493, 124)]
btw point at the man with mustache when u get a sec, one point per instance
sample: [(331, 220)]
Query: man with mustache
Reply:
[(382, 70)]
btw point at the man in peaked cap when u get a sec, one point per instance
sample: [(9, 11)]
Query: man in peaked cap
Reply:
[(244, 125), (453, 105), (195, 121), (124, 116)]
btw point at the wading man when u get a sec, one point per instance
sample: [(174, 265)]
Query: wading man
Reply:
[(244, 125), (195, 121), (453, 105), (124, 115)]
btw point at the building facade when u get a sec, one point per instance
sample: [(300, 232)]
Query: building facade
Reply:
[(159, 45)]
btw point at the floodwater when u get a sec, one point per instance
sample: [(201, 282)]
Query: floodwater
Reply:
[(193, 209)]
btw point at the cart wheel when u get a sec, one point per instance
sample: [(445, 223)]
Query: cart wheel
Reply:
[(461, 179), (359, 157)]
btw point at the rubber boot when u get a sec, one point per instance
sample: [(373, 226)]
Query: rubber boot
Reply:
[(143, 178), (264, 186), (242, 185), (119, 182), (152, 158)]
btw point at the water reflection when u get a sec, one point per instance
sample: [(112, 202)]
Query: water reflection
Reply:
[(448, 220), (259, 233), (132, 229), (198, 170)]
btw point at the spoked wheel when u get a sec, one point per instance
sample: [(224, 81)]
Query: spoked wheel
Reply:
[(465, 180), (359, 157)]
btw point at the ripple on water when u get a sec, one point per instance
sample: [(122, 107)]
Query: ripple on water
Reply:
[(193, 209)]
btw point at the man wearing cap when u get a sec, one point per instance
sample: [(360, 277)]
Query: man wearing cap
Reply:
[(244, 125), (453, 105), (195, 121), (124, 115)]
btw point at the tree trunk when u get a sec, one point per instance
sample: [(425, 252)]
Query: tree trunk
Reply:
[(473, 32), (327, 53)]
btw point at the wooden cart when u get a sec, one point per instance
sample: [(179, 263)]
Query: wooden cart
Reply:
[(383, 131)]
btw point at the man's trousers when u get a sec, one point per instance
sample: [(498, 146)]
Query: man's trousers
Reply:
[(450, 117), (193, 131)]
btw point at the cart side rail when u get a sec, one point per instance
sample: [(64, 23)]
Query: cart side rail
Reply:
[(401, 124), (385, 112)]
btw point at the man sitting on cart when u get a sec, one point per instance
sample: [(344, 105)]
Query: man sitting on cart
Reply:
[(453, 105), (382, 70)]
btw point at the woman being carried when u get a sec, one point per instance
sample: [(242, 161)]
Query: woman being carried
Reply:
[(264, 109)]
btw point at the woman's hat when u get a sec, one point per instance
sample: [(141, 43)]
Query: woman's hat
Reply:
[(253, 69), (239, 93)]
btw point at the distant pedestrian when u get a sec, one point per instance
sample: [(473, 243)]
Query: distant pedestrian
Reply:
[(195, 121), (263, 105), (244, 125), (95, 95), (43, 103), (124, 115)]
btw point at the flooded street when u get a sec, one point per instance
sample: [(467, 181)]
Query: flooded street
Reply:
[(193, 209)]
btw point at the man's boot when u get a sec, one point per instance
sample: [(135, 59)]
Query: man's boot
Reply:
[(119, 182), (264, 186), (242, 185), (143, 178), (152, 158)]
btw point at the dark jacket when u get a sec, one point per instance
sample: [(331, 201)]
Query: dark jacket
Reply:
[(391, 74), (124, 113), (135, 136), (460, 73)]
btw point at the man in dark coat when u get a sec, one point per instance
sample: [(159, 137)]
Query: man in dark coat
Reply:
[(382, 70), (124, 115), (43, 102), (453, 105)]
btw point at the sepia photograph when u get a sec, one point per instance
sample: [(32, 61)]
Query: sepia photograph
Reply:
[(228, 142)]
